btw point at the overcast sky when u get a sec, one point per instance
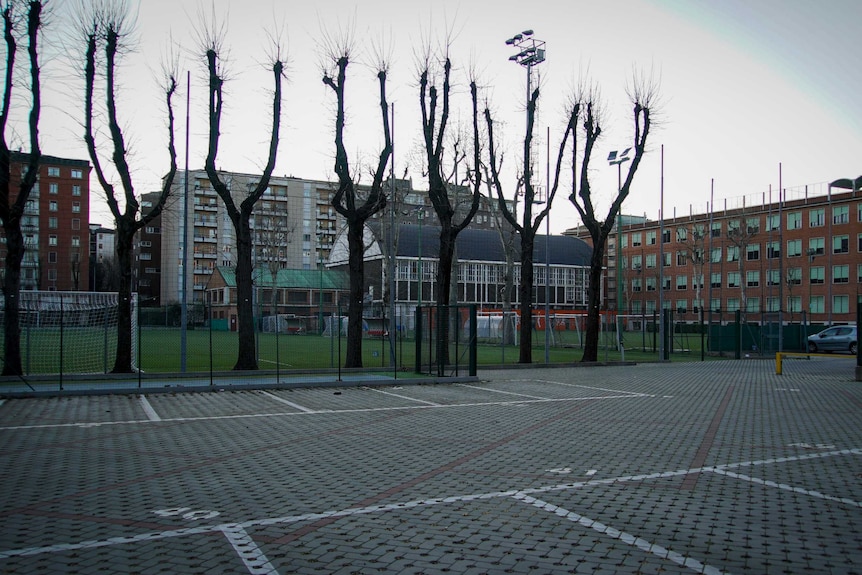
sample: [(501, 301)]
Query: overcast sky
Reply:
[(744, 85)]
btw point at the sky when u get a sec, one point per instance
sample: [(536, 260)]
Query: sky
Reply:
[(745, 86)]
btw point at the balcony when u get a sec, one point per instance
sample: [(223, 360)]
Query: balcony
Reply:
[(206, 240), (203, 255)]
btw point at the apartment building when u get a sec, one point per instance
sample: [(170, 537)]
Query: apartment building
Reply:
[(294, 226), (147, 268), (54, 224), (801, 256)]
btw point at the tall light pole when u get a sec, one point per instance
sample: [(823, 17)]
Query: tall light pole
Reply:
[(617, 158), (533, 53)]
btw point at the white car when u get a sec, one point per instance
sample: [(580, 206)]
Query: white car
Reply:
[(836, 338)]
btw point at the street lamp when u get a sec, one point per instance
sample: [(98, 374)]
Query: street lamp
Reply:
[(532, 53), (617, 158)]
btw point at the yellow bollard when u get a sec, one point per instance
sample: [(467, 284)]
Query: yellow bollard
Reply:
[(778, 363)]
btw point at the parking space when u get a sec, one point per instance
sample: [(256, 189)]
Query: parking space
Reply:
[(721, 467)]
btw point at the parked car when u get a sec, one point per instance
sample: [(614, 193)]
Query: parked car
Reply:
[(836, 338)]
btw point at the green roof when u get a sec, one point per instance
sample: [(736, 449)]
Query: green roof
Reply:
[(297, 279)]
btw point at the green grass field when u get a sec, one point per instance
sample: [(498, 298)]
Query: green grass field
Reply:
[(89, 351)]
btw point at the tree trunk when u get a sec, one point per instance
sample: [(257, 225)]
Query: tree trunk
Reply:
[(594, 300), (247, 353), (123, 357), (525, 293), (357, 294), (444, 270), (11, 291)]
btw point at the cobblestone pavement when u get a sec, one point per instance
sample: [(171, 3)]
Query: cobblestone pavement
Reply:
[(717, 467)]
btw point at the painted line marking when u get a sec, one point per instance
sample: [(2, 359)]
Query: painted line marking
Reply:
[(500, 391), (591, 472), (254, 559), (626, 538), (785, 487), (632, 393), (286, 402), (398, 395), (520, 493), (325, 411), (560, 470), (148, 409)]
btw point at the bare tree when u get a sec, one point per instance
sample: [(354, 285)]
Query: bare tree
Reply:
[(694, 240), (740, 237), (273, 231), (441, 189), (528, 227), (354, 208), (585, 111), (240, 212), (12, 205), (508, 234), (106, 27)]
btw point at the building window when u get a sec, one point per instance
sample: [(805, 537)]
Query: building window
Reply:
[(665, 237), (841, 304), (732, 226), (681, 306), (682, 282), (681, 258), (76, 207), (77, 174), (733, 253), (52, 206), (637, 262), (752, 305), (733, 279), (817, 275), (146, 244), (52, 223), (752, 278), (667, 259), (146, 256), (52, 240), (637, 285), (76, 190), (773, 222), (859, 273), (53, 188), (52, 257), (859, 243), (715, 304), (624, 240), (841, 214), (817, 218), (773, 250), (54, 172), (681, 234), (715, 231), (794, 248), (752, 225), (650, 261), (794, 276), (636, 239), (752, 252), (715, 256), (794, 304), (816, 247), (772, 304), (650, 238), (650, 284), (816, 305), (794, 221), (732, 304), (841, 274), (773, 277), (52, 275), (715, 280), (76, 241), (76, 224), (840, 244)]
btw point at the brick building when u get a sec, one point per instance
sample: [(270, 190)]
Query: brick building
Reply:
[(55, 224), (801, 257)]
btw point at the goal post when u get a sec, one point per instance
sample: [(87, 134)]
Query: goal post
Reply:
[(71, 332)]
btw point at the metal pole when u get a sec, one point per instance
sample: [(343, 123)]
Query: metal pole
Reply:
[(780, 265), (662, 351), (548, 249), (620, 264), (184, 312), (392, 254)]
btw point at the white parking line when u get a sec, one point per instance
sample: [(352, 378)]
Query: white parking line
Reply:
[(500, 391), (785, 487), (402, 396), (286, 402), (254, 559), (626, 538), (148, 409), (633, 393)]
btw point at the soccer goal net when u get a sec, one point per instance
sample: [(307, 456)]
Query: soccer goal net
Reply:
[(72, 332)]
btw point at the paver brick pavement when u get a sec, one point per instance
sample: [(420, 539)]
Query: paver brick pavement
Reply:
[(718, 467)]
